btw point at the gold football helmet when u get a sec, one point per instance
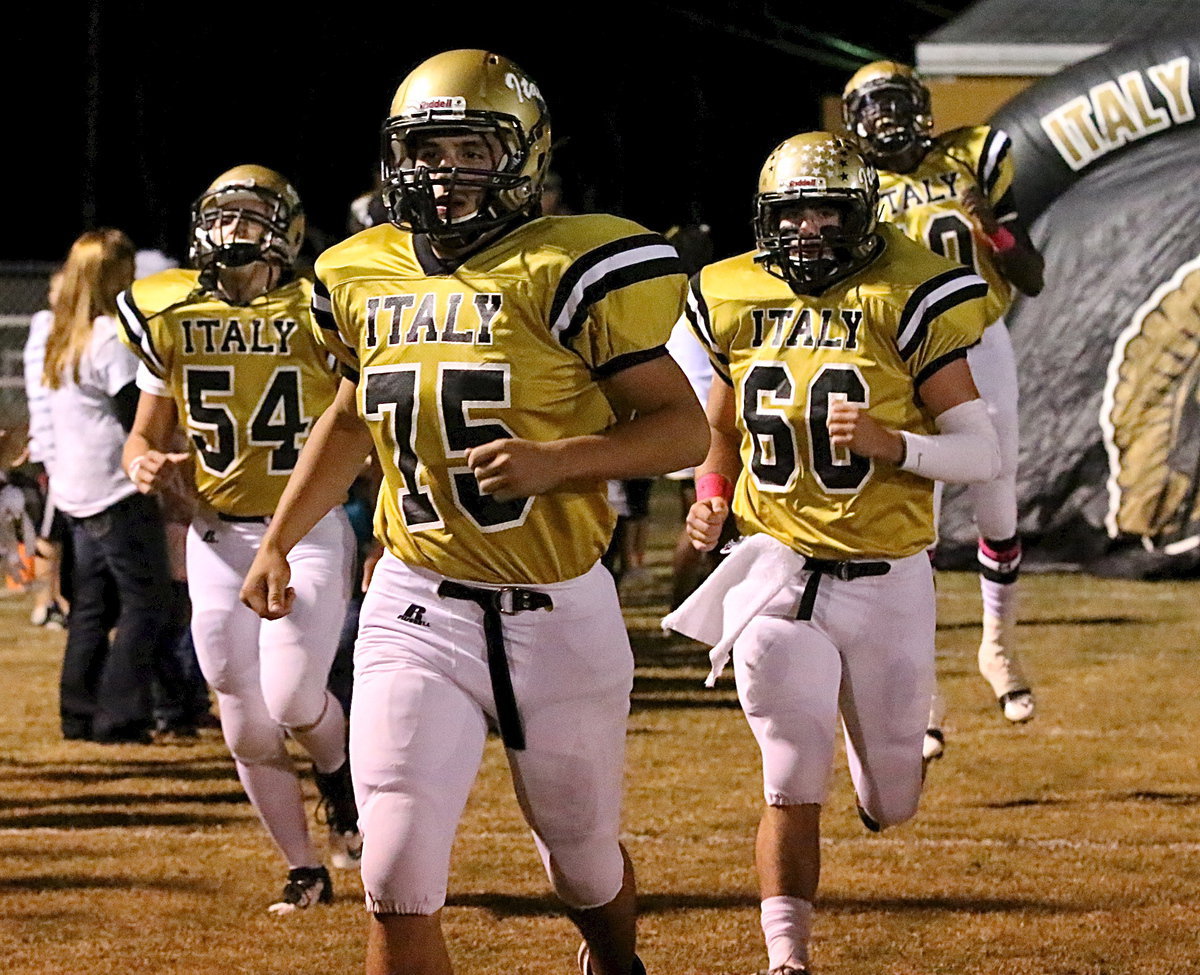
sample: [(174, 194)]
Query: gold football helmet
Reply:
[(816, 170), (888, 107), (248, 213), (460, 93)]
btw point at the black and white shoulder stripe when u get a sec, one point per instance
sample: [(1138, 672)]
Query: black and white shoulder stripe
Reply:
[(935, 297), (995, 148), (605, 269), (695, 311), (322, 309), (137, 331)]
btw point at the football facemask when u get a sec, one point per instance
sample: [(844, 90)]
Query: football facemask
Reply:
[(455, 95), (248, 214), (821, 172), (811, 260), (887, 106)]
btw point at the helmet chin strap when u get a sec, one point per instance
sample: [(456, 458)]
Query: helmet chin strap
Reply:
[(230, 287), (238, 253)]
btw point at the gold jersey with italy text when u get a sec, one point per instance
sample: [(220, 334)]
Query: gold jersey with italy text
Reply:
[(871, 339), (512, 342), (927, 203), (247, 380)]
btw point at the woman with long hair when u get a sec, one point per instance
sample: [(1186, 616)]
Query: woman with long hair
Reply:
[(120, 572)]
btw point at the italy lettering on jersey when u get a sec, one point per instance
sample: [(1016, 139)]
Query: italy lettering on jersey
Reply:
[(927, 203), (513, 342), (871, 339), (248, 380)]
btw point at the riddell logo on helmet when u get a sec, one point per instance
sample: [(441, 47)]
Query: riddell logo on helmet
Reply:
[(442, 103), (807, 183)]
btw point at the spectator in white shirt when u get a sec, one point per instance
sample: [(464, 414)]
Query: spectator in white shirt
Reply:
[(119, 567)]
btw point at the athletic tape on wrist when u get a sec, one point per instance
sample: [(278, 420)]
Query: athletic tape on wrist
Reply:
[(1002, 240), (713, 485), (134, 465)]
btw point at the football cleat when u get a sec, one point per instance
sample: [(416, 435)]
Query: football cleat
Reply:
[(1018, 706), (869, 822), (338, 810), (934, 745), (345, 849), (305, 887), (585, 969), (786, 970)]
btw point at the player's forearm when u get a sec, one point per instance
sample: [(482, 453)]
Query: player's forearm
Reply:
[(153, 424), (1024, 268), (665, 440), (331, 459), (136, 445), (724, 455)]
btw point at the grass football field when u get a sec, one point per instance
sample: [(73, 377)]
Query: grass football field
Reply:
[(1069, 846)]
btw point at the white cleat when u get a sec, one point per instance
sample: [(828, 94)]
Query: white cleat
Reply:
[(934, 745), (1018, 706)]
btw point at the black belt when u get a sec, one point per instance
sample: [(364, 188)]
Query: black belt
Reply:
[(257, 519), (839, 570), (496, 602)]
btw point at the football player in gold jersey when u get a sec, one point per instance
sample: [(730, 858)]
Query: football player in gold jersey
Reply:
[(229, 352), (953, 193), (504, 365), (841, 391)]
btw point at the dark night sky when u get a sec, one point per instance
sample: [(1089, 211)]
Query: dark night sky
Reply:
[(663, 111)]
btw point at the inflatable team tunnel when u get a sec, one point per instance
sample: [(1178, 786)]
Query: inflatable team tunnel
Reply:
[(1108, 177)]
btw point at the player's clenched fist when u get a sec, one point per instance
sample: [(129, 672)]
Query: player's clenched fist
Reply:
[(851, 426), (266, 589), (513, 468), (155, 471), (704, 522), (977, 206)]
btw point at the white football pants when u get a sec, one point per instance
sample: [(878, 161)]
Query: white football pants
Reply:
[(422, 703), (867, 653), (270, 675)]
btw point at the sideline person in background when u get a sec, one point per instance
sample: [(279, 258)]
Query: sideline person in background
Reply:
[(119, 572), (689, 565), (49, 603)]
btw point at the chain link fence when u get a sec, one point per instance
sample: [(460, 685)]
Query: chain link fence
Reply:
[(23, 291)]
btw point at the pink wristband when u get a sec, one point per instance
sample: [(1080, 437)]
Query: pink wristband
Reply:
[(1002, 240), (713, 485)]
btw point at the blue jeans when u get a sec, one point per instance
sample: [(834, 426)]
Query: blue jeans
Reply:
[(121, 579)]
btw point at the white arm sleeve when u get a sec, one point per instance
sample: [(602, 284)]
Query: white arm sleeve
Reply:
[(965, 449)]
